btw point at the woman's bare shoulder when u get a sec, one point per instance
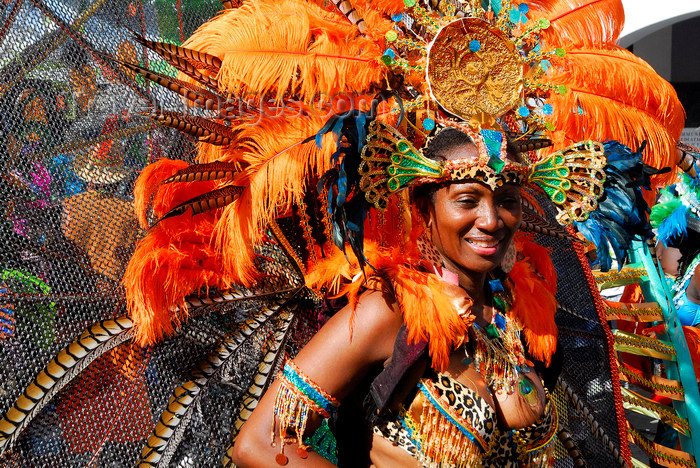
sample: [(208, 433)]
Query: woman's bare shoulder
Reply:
[(376, 313), (360, 336)]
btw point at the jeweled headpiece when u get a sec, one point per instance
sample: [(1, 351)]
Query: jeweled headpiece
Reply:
[(475, 81)]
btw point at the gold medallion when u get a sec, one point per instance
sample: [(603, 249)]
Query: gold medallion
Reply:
[(473, 68)]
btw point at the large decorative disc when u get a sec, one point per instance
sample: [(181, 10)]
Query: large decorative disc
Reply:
[(474, 68)]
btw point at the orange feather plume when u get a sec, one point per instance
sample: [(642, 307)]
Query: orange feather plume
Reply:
[(579, 22), (278, 166), (272, 48), (147, 183), (172, 261), (388, 7), (632, 104), (534, 304)]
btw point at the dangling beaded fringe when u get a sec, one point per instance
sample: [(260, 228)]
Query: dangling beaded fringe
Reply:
[(443, 444), (499, 359), (296, 397)]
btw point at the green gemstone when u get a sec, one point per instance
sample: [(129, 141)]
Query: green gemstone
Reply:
[(403, 146), (409, 3), (391, 36), (492, 331), (550, 126), (560, 52), (499, 303), (496, 164), (562, 89), (544, 23), (387, 60)]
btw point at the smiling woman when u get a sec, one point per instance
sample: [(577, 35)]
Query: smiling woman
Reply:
[(445, 334)]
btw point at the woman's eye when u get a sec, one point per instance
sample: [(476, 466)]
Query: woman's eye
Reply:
[(510, 201), (467, 201)]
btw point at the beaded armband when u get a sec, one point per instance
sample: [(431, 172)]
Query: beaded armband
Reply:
[(297, 395)]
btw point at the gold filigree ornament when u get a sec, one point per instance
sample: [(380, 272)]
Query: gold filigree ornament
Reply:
[(573, 178), (474, 69)]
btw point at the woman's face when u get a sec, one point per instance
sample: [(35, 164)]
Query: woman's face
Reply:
[(472, 225), (669, 259)]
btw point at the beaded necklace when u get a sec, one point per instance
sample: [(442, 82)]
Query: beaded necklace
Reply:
[(498, 353)]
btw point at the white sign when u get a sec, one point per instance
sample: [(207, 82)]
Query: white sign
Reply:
[(691, 136)]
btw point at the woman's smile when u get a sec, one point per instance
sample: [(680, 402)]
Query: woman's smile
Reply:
[(485, 246)]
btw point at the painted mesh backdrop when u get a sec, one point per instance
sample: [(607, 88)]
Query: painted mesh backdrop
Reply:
[(72, 142)]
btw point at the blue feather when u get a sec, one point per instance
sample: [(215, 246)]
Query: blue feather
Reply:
[(675, 225)]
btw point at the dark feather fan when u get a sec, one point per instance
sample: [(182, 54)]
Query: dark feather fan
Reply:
[(621, 215)]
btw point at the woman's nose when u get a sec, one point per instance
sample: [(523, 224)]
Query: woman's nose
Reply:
[(488, 218)]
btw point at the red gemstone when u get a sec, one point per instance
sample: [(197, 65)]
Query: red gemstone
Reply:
[(302, 452), (281, 459)]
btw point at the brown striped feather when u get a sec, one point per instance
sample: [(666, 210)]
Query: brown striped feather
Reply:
[(202, 97), (583, 410), (181, 59), (230, 4), (168, 432), (267, 369), (208, 201), (524, 143), (535, 223), (204, 172), (200, 60), (571, 448), (207, 131), (68, 364), (346, 8), (523, 146)]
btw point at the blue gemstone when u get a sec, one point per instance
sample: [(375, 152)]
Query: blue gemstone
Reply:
[(499, 320), (474, 45), (496, 286)]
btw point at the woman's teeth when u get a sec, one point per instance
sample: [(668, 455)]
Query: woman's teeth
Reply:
[(484, 243)]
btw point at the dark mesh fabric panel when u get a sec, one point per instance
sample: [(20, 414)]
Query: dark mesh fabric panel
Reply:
[(586, 360), (72, 143)]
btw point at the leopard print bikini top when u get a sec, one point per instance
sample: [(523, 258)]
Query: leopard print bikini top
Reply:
[(451, 425)]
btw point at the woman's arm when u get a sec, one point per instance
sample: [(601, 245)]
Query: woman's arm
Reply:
[(693, 289), (336, 359)]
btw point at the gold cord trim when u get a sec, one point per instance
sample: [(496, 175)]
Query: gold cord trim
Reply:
[(651, 385), (668, 455)]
